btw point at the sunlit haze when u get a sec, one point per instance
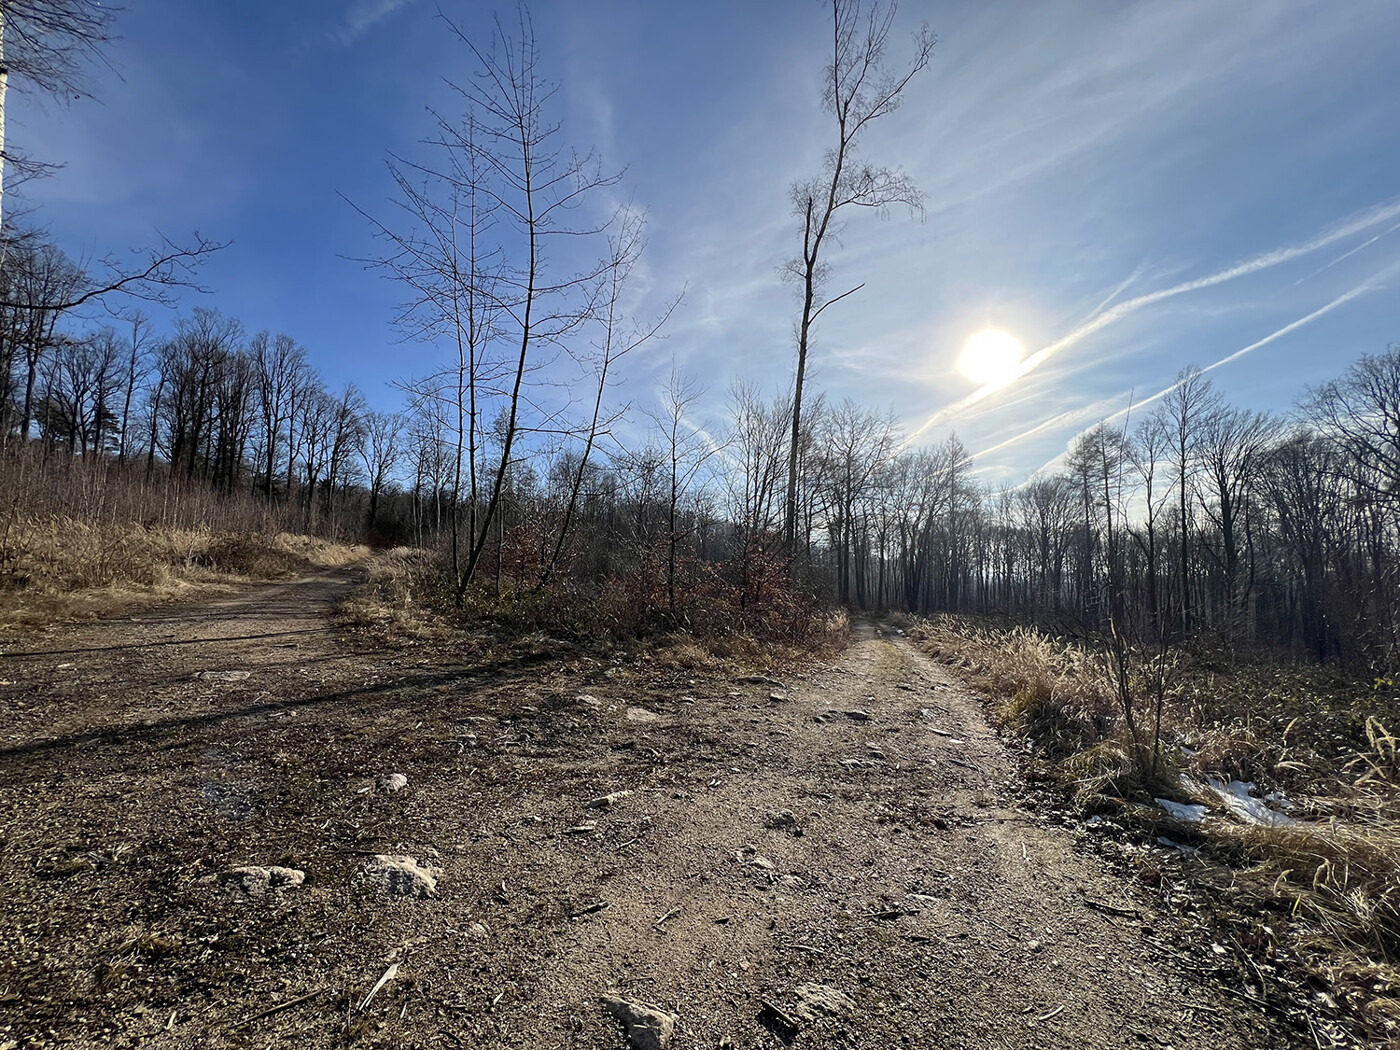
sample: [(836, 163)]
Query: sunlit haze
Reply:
[(991, 357)]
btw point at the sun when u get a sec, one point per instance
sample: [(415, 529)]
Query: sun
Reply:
[(991, 357)]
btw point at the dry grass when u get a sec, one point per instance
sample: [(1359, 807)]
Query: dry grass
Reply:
[(65, 569), (400, 599), (1333, 884)]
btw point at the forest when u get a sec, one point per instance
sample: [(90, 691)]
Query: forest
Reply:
[(1200, 519)]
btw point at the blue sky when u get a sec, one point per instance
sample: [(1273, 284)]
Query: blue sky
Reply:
[(1134, 186)]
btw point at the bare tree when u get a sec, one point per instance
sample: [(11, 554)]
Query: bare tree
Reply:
[(858, 91), (44, 45), (534, 184), (381, 450), (616, 341), (1188, 403), (686, 447), (1361, 410), (138, 364)]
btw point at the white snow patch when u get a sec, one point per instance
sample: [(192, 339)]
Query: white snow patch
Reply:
[(1184, 811), (1238, 797)]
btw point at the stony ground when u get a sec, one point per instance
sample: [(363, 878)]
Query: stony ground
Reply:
[(845, 857)]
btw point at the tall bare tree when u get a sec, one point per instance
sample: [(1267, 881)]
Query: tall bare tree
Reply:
[(858, 90)]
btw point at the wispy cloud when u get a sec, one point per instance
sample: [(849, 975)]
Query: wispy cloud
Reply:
[(363, 16), (1348, 254)]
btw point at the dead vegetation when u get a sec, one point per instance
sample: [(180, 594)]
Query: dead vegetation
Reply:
[(65, 569), (1324, 880)]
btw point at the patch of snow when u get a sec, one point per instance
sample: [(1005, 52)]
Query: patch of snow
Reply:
[(1238, 797), (1183, 811)]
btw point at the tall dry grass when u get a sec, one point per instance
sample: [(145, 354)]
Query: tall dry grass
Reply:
[(83, 538)]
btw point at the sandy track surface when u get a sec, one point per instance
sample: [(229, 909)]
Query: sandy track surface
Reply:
[(844, 858)]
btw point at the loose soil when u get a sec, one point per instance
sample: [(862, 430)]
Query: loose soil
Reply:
[(858, 826)]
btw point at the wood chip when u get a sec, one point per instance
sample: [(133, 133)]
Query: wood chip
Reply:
[(389, 975)]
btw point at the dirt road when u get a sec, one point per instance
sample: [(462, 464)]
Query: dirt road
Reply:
[(842, 859)]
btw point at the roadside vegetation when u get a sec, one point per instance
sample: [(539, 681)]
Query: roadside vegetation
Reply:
[(1311, 867), (82, 539)]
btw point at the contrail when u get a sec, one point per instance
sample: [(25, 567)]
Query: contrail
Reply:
[(1345, 255), (1292, 326), (1276, 257), (1054, 421)]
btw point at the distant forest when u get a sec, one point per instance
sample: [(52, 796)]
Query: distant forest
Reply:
[(1200, 520)]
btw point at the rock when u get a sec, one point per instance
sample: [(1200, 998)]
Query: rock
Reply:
[(792, 882), (784, 821), (641, 714), (402, 876), (477, 931), (858, 715), (646, 1027), (256, 880), (222, 676), (393, 782), (589, 700), (813, 1000), (777, 697), (607, 801), (586, 828)]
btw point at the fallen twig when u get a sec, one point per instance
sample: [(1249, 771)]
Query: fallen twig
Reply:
[(277, 1009), (1112, 909)]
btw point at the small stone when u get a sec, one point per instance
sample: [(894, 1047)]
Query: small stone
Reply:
[(792, 882), (393, 782), (589, 700), (784, 821), (777, 697), (607, 801), (641, 714), (477, 931), (1033, 946), (256, 880), (647, 1028), (858, 715), (758, 860), (222, 676), (402, 876)]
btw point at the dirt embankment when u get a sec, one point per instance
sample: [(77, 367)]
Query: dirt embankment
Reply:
[(844, 858)]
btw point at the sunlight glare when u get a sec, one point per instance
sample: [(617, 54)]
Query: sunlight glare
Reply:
[(991, 357)]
